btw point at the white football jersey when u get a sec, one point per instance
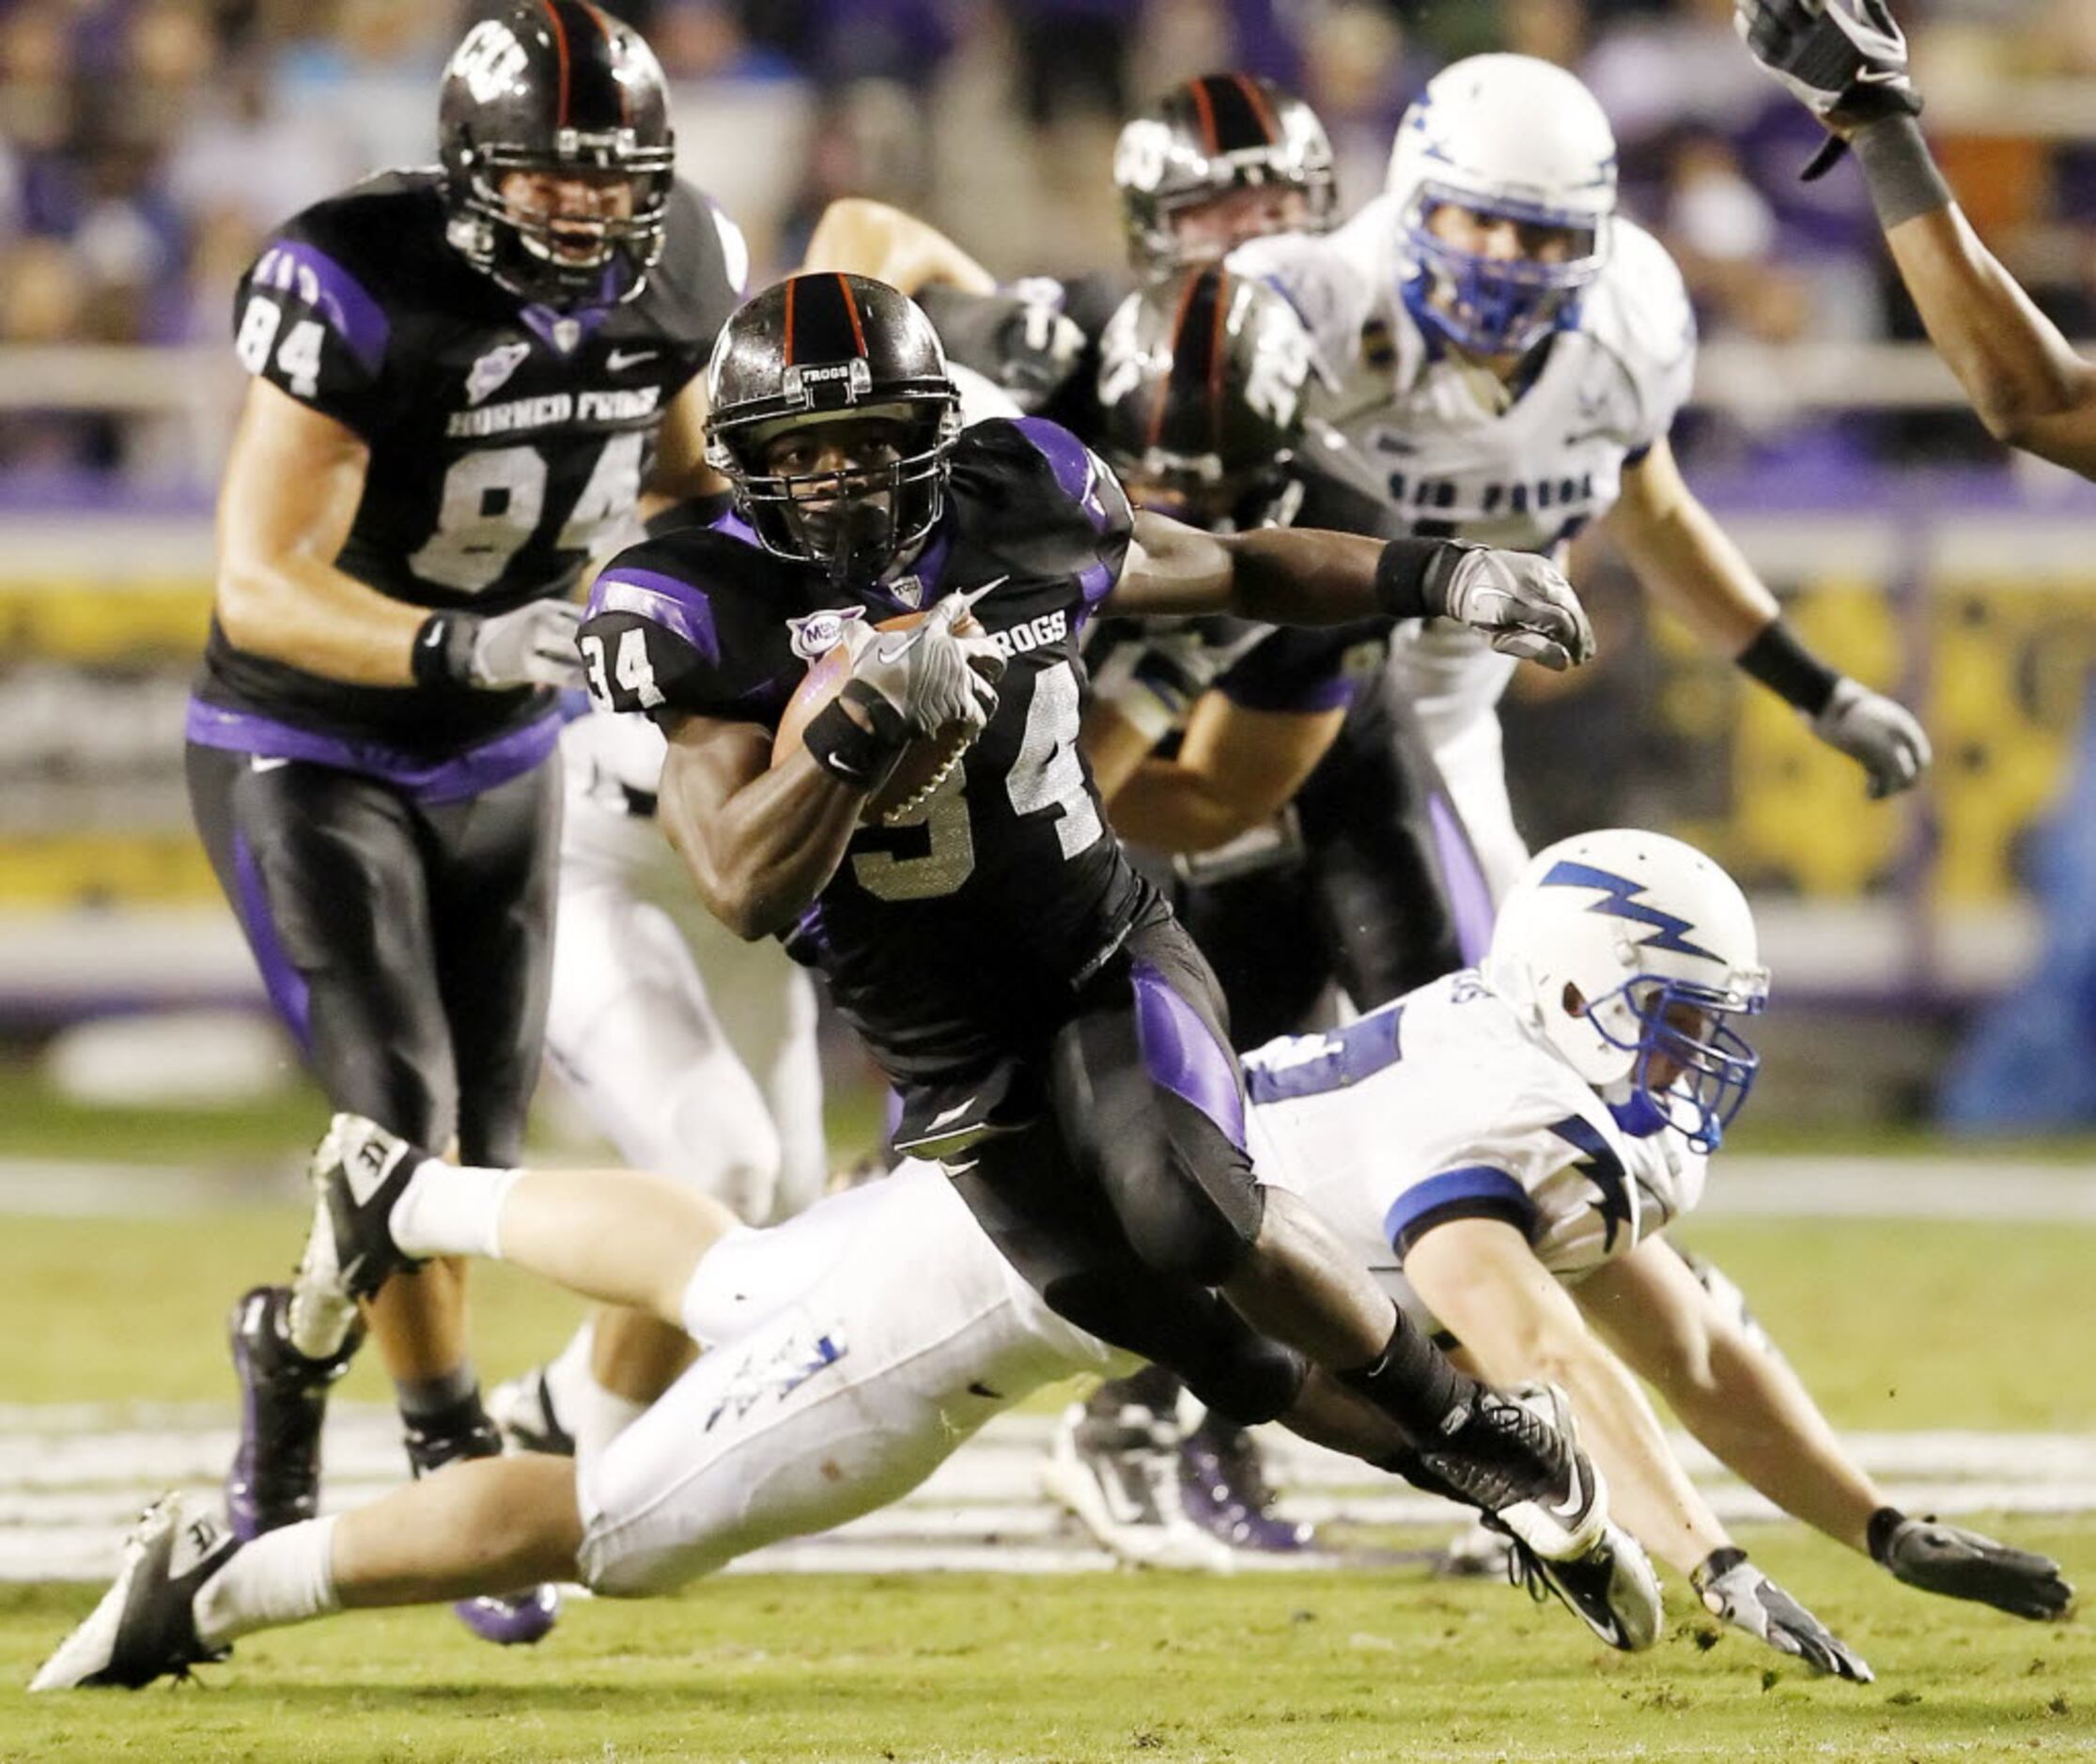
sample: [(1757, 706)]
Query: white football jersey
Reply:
[(1525, 477), (1445, 1106)]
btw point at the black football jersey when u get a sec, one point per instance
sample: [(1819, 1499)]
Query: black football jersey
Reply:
[(958, 938), (507, 439), (981, 331)]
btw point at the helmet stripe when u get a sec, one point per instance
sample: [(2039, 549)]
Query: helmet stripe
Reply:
[(559, 44), (852, 311), (1260, 109), (1233, 122), (1204, 107), (610, 56), (792, 284)]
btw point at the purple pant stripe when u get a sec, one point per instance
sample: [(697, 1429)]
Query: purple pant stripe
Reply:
[(284, 983), (1469, 895), (1181, 1052)]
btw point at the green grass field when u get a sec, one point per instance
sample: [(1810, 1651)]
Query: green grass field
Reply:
[(1902, 1326)]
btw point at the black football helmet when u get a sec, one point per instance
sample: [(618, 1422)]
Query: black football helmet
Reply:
[(553, 86), (829, 348), (1201, 383), (1202, 140)]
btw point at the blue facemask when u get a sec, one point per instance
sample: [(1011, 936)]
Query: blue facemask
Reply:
[(1715, 1067), (1493, 305)]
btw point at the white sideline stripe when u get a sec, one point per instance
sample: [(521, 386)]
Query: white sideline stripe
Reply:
[(73, 1476), (1952, 1187)]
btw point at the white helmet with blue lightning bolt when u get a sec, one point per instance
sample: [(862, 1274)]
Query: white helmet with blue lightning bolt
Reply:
[(1628, 952)]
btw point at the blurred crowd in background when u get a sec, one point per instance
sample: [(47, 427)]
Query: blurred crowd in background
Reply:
[(147, 145)]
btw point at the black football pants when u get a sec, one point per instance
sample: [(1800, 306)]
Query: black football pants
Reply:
[(407, 945)]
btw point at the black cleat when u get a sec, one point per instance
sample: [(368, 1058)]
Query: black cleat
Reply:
[(512, 1619), (276, 1477), (144, 1627), (358, 1172), (1516, 1456)]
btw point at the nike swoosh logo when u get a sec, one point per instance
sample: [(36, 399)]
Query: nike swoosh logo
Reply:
[(892, 649), (618, 360), (1568, 1510), (260, 765), (954, 1113)]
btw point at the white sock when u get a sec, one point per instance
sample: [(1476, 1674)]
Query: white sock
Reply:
[(593, 1416), (283, 1576), (452, 1210)]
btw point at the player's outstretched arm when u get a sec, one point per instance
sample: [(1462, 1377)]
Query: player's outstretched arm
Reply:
[(860, 236), (1295, 576), (292, 485), (1688, 565), (1846, 60), (1757, 1417), (1235, 770)]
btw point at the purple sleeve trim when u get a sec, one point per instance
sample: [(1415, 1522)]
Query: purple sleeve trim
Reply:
[(1077, 471), (296, 267), (451, 779), (674, 605), (1318, 694), (1183, 1054), (1475, 1191)]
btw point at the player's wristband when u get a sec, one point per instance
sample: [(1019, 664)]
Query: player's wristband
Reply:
[(1715, 1565), (1788, 669), (847, 749), (1412, 576), (1885, 1524), (443, 649), (1900, 170)]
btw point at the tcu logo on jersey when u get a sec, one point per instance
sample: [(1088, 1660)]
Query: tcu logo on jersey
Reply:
[(815, 634), (489, 60)]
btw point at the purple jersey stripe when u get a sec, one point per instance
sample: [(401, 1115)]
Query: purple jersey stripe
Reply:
[(284, 984), (313, 276), (650, 594), (1182, 1053), (451, 779)]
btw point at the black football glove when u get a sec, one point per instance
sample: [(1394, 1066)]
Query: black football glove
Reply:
[(1734, 1589), (1844, 60), (1962, 1564)]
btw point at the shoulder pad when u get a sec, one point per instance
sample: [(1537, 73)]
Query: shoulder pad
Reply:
[(705, 270), (673, 624), (1639, 313), (1029, 493)]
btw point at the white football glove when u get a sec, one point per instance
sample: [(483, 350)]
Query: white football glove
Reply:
[(927, 676), (1518, 599), (1878, 733), (1734, 1590), (535, 645)]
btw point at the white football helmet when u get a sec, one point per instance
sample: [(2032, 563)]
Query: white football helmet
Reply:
[(1628, 950), (1513, 136)]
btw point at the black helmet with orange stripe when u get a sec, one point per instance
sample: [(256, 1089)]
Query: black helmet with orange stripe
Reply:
[(1217, 161), (1201, 383), (831, 414), (559, 160)]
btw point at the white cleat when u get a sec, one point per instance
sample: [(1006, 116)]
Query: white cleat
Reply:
[(1612, 1588), (144, 1627), (1119, 1475)]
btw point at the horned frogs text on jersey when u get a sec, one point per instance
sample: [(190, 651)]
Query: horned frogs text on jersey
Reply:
[(1527, 477), (951, 938), (506, 439), (1443, 1105)]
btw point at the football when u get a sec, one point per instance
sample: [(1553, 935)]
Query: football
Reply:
[(925, 764)]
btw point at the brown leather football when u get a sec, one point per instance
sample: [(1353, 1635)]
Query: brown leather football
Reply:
[(924, 764)]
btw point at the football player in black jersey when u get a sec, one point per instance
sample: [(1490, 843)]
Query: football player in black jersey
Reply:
[(1052, 1033), (1215, 161), (1312, 846), (465, 378)]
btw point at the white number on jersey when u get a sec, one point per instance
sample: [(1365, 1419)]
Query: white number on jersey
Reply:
[(1047, 773), (946, 863), (614, 488), (490, 510), (297, 361)]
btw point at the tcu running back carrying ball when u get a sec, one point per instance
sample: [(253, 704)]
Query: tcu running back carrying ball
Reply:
[(464, 379)]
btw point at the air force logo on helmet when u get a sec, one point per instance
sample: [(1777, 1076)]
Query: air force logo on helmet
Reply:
[(1629, 951)]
